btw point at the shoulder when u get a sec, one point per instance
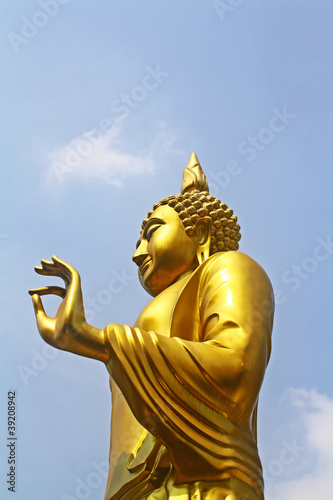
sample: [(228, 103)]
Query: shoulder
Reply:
[(232, 257), (234, 262), (234, 282), (236, 269)]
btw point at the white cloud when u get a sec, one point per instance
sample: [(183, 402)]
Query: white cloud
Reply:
[(316, 415), (95, 154)]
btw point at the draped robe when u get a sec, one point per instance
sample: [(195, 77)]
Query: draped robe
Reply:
[(185, 382)]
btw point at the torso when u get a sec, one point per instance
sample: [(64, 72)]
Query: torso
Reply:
[(157, 315)]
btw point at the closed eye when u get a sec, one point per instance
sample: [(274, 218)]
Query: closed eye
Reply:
[(151, 231)]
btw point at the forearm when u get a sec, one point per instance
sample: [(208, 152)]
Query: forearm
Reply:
[(161, 377)]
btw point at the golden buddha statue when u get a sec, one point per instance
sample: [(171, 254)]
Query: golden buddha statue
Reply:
[(185, 378)]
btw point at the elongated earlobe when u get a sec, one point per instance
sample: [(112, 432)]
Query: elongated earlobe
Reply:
[(202, 256), (202, 236)]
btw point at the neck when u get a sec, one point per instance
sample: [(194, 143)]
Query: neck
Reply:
[(187, 273)]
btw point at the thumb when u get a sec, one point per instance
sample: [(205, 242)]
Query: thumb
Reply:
[(38, 305), (45, 324)]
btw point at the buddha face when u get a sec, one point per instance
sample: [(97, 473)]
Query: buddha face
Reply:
[(164, 251)]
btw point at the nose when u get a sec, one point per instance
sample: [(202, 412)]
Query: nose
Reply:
[(140, 254)]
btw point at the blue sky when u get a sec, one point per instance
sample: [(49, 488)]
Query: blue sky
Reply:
[(102, 106)]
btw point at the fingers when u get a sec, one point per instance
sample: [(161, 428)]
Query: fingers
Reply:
[(48, 290), (47, 267), (56, 267), (66, 269)]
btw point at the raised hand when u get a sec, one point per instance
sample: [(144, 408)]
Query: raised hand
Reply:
[(70, 313), (68, 330)]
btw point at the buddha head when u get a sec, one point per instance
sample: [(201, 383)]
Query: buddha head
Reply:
[(183, 231)]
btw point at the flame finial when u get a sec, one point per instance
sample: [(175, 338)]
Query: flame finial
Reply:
[(193, 176)]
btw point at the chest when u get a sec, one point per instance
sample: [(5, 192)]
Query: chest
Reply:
[(157, 315)]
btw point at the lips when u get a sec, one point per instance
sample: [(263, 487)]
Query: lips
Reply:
[(144, 266)]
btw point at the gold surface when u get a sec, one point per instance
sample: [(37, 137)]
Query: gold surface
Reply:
[(185, 378)]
